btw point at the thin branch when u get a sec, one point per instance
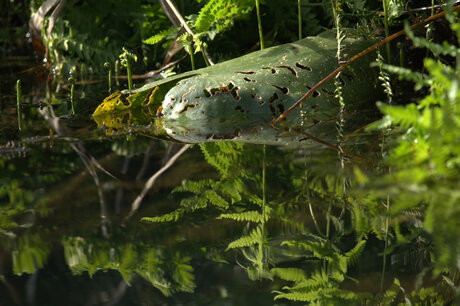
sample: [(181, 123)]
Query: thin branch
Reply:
[(149, 184), (357, 56), (186, 27)]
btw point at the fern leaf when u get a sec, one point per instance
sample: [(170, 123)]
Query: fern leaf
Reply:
[(290, 274), (392, 292), (353, 255), (299, 296), (231, 188), (250, 216), (221, 155), (406, 116), (196, 187), (221, 14), (317, 280), (173, 216), (160, 36), (206, 16), (215, 199), (253, 238)]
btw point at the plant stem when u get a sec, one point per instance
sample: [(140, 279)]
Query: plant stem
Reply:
[(192, 59), (387, 224), (130, 77), (108, 66), (117, 71), (299, 11), (263, 183), (72, 102), (110, 80), (264, 202), (387, 30), (18, 103), (187, 29), (205, 60), (259, 24)]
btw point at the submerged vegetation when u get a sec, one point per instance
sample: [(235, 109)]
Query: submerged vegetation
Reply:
[(349, 213)]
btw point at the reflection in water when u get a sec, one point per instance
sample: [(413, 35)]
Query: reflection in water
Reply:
[(245, 224)]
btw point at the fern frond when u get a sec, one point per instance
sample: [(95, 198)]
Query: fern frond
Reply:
[(250, 216), (353, 254), (196, 187), (215, 199), (436, 49), (221, 14), (253, 238), (193, 203), (221, 155), (289, 274), (406, 116), (299, 296), (232, 188), (173, 216), (207, 15), (319, 249), (160, 36), (392, 292)]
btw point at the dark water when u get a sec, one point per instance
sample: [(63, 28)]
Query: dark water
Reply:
[(70, 235)]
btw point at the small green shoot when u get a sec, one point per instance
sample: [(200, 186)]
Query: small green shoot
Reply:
[(125, 61), (108, 67), (18, 102)]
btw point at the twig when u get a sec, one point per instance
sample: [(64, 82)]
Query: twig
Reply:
[(357, 56), (149, 184), (186, 27)]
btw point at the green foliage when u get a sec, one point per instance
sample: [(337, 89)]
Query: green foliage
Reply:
[(222, 155), (290, 274), (162, 35), (168, 274), (250, 216), (254, 237), (219, 14), (431, 123)]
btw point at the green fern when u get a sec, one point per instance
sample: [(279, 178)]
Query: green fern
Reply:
[(318, 279), (194, 186), (173, 216), (290, 274), (353, 254), (255, 237), (250, 216), (436, 49), (220, 14), (299, 296), (391, 293), (221, 155), (162, 35), (213, 198)]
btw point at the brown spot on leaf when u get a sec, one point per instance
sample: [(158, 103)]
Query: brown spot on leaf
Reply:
[(239, 108), (299, 65), (284, 90), (292, 70), (273, 98), (187, 107)]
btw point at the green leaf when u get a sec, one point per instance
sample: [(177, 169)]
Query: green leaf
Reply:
[(290, 274), (251, 216), (254, 237), (160, 36)]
